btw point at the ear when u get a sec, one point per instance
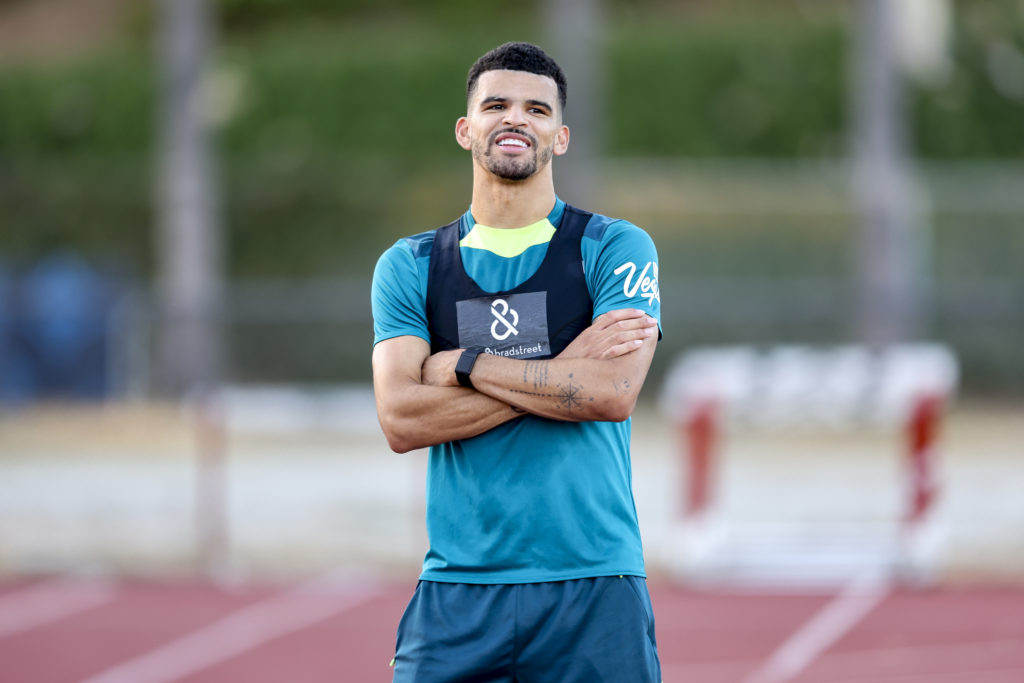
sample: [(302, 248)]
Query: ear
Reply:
[(462, 134), (562, 141)]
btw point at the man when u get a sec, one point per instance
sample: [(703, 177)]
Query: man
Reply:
[(513, 342)]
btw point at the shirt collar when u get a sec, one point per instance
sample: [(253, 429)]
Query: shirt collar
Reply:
[(555, 217)]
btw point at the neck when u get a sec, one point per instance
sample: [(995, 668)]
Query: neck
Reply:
[(499, 203)]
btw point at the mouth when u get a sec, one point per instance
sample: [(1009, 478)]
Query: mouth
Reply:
[(512, 142)]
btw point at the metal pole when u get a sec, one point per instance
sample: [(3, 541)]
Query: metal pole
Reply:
[(190, 286), (576, 34), (889, 249), (212, 528), (190, 278)]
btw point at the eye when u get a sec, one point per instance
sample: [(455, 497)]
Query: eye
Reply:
[(495, 107)]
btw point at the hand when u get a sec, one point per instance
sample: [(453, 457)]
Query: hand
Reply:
[(612, 334), (439, 369)]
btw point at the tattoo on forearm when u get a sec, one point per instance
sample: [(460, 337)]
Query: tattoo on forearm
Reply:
[(623, 386), (535, 371), (569, 396)]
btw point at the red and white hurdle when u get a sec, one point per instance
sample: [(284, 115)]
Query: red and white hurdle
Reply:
[(711, 389)]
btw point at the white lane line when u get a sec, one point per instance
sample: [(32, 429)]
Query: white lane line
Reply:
[(834, 620), (240, 631), (51, 601)]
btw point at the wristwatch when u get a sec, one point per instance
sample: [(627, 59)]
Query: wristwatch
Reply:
[(465, 366)]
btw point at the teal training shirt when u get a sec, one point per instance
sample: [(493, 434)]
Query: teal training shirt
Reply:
[(532, 499)]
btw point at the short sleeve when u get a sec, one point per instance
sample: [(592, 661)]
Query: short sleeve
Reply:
[(624, 271), (398, 295)]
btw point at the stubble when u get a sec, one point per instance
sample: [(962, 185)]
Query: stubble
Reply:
[(511, 168)]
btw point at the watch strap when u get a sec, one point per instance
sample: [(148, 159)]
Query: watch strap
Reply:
[(464, 366)]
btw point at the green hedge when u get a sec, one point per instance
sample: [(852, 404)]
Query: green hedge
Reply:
[(324, 125), (765, 88), (336, 139), (101, 107), (769, 85)]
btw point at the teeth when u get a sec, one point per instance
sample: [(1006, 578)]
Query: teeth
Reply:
[(512, 141)]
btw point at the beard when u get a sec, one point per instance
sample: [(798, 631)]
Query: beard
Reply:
[(511, 168)]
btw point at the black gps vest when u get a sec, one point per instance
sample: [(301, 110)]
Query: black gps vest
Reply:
[(537, 319)]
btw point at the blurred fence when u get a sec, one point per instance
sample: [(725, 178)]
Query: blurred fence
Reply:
[(765, 252), (751, 252)]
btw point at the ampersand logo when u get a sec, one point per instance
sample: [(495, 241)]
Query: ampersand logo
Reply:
[(511, 325), (499, 309)]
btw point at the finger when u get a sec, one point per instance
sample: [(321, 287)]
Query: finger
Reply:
[(611, 317), (632, 330), (641, 323), (629, 335), (623, 349)]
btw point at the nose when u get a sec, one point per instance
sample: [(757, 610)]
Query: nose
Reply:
[(515, 116)]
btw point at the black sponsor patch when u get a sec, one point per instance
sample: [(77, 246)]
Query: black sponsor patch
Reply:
[(514, 325)]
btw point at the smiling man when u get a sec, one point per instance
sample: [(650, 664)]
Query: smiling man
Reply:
[(513, 342)]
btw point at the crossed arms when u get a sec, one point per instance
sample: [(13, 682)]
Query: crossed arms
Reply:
[(597, 377)]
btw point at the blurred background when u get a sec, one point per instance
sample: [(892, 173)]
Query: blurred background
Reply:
[(728, 130), (193, 195)]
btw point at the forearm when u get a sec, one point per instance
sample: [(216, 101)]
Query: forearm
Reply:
[(578, 389), (597, 377), (414, 413), (427, 415)]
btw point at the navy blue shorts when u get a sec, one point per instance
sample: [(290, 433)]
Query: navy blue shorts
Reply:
[(581, 631)]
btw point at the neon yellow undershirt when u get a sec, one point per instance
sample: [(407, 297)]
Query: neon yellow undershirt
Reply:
[(508, 242)]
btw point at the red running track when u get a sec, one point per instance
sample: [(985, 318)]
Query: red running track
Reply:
[(55, 630)]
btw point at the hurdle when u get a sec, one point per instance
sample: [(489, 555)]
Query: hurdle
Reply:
[(712, 390)]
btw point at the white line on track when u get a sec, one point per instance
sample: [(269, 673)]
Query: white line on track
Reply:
[(293, 610), (834, 620), (50, 601)]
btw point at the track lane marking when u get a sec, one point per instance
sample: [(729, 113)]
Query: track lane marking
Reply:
[(50, 601), (829, 624), (241, 631)]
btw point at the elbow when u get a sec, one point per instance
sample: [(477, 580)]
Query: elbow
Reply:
[(399, 437), (399, 444), (618, 408)]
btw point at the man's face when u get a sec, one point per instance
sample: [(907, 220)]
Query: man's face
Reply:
[(513, 126)]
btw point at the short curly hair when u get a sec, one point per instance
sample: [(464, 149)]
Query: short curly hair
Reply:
[(518, 57)]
